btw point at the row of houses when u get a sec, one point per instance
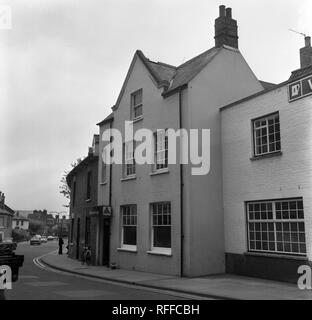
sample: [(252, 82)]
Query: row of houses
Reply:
[(250, 214), (29, 222)]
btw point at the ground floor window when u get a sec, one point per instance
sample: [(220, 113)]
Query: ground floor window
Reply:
[(161, 226), (276, 226), (129, 226)]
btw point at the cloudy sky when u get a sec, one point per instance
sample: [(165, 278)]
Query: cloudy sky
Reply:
[(64, 61)]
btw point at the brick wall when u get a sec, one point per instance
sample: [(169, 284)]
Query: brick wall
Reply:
[(285, 176)]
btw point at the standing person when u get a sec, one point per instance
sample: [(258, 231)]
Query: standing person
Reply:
[(61, 242)]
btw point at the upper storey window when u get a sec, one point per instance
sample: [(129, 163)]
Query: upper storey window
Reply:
[(267, 137), (137, 105)]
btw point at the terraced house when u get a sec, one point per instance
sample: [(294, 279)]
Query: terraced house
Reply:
[(267, 177), (163, 218), (6, 214)]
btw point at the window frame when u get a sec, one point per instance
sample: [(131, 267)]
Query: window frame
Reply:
[(74, 191), (122, 226), (275, 221), (89, 185), (103, 169), (156, 249), (164, 151), (129, 162), (2, 225), (134, 106), (266, 127)]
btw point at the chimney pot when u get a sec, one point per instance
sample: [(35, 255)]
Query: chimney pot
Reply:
[(229, 13), (307, 41), (222, 11), (226, 29)]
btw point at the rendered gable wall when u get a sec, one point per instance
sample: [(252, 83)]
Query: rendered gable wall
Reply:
[(225, 79)]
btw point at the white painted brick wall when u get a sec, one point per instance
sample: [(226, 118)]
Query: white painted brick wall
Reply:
[(286, 176)]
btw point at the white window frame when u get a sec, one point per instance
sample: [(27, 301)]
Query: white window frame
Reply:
[(277, 220), (135, 216), (129, 159), (137, 105), (257, 134), (161, 250), (103, 168), (160, 150)]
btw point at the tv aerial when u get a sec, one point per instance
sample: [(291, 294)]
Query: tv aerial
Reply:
[(301, 33)]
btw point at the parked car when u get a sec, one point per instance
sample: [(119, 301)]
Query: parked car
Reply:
[(35, 240), (50, 238), (44, 239)]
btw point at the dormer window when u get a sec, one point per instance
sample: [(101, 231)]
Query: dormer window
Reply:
[(136, 105)]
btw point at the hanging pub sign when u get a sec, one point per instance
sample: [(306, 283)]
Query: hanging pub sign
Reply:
[(106, 211), (300, 89)]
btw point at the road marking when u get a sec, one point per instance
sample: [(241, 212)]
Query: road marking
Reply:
[(28, 277), (39, 264), (46, 283), (85, 293)]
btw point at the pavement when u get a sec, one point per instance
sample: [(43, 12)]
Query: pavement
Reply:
[(39, 282), (223, 286)]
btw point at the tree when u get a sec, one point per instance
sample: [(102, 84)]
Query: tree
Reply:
[(64, 188)]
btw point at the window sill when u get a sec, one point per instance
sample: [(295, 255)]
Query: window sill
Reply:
[(137, 119), (276, 256), (103, 183), (128, 178), (266, 156), (160, 253), (158, 172), (134, 250), (88, 200)]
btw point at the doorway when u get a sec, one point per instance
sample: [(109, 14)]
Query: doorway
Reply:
[(106, 236), (78, 238)]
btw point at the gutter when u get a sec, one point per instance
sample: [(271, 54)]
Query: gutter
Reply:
[(181, 194)]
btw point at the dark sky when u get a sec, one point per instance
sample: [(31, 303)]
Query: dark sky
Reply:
[(63, 63)]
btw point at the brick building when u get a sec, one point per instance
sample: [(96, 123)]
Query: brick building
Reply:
[(267, 178), (6, 214), (82, 181)]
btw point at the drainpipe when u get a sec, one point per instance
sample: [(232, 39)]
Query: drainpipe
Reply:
[(110, 174), (181, 192)]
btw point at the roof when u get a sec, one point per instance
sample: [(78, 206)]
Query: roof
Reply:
[(169, 77), (109, 118), (24, 213), (300, 73), (4, 209), (80, 166), (267, 85), (176, 77), (295, 75), (188, 70), (257, 94), (20, 218)]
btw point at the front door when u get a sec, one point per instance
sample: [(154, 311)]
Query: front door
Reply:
[(78, 238), (106, 235)]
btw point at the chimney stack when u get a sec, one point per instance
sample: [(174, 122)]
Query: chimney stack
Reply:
[(306, 54), (2, 199), (226, 29)]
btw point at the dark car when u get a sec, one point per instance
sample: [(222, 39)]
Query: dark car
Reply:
[(35, 240)]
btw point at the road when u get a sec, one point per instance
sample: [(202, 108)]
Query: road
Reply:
[(44, 284)]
